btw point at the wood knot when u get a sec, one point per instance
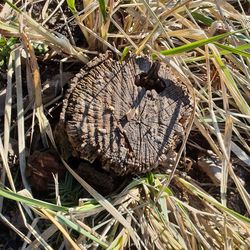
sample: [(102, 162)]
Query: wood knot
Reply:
[(151, 80)]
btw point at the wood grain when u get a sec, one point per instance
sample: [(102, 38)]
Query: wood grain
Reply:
[(129, 115)]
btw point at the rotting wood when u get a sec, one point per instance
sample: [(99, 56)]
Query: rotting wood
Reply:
[(130, 115)]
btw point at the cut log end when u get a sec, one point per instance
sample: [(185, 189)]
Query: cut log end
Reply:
[(129, 115)]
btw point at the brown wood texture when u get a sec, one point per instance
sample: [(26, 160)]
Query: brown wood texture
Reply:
[(129, 115)]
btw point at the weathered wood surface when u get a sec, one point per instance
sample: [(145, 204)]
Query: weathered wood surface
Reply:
[(129, 115)]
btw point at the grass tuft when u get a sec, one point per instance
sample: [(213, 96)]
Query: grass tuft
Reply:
[(207, 44)]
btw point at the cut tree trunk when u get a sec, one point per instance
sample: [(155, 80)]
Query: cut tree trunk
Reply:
[(130, 115)]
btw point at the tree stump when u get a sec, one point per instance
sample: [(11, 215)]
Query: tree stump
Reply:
[(129, 115)]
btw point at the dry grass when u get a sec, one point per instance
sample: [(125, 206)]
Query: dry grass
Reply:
[(152, 212)]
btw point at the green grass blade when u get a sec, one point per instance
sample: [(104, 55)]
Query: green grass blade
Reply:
[(30, 201), (102, 6), (196, 44), (202, 18), (124, 53), (213, 201), (233, 50), (80, 230), (72, 7), (222, 53)]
